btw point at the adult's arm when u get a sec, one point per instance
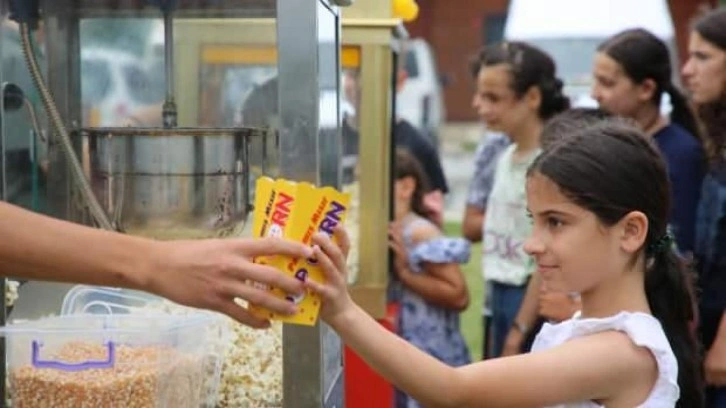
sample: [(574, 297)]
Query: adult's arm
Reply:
[(208, 274)]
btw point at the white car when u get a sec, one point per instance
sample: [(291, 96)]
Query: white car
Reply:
[(114, 85), (420, 101), (572, 37)]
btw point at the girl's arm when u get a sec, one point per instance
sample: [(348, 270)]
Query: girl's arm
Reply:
[(525, 319), (473, 223), (441, 284), (596, 367)]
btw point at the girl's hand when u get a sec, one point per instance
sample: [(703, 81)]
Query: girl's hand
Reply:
[(513, 343), (395, 242), (556, 305), (332, 260)]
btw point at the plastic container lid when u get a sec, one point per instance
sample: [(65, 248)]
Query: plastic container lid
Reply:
[(105, 300)]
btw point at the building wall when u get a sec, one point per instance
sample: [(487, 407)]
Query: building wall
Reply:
[(684, 12), (454, 29), (457, 32)]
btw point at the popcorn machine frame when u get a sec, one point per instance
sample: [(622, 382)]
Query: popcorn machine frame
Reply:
[(306, 142), (367, 55)]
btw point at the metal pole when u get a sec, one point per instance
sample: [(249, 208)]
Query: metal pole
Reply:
[(3, 281), (169, 111), (309, 151), (3, 351)]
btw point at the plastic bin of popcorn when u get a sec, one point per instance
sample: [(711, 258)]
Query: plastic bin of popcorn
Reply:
[(250, 360), (110, 360)]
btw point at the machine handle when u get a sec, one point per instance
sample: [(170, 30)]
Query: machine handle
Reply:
[(25, 11), (13, 97), (85, 365), (164, 5)]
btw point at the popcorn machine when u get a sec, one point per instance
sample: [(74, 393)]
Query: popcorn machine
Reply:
[(158, 116)]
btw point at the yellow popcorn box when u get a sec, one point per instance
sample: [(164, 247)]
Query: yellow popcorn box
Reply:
[(316, 210), (274, 204), (275, 201)]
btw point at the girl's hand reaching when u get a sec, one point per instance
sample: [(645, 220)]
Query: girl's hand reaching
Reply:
[(332, 259), (395, 243)]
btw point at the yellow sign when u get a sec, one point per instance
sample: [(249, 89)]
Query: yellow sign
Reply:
[(263, 55)]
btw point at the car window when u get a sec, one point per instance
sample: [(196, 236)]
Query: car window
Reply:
[(574, 56), (411, 65), (95, 81)]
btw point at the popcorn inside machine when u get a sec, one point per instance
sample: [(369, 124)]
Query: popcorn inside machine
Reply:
[(155, 117)]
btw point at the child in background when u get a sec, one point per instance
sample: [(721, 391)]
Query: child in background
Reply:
[(432, 288), (705, 77), (517, 91), (599, 202), (633, 73)]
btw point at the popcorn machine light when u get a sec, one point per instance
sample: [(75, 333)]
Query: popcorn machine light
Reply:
[(189, 171)]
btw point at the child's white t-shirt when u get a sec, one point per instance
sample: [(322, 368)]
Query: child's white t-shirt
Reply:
[(643, 329), (506, 224)]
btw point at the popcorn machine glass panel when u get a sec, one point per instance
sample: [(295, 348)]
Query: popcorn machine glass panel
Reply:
[(150, 136)]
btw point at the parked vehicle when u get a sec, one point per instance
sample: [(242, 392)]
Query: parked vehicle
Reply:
[(421, 100), (571, 30)]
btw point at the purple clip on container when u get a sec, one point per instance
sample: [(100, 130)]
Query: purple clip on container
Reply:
[(60, 365)]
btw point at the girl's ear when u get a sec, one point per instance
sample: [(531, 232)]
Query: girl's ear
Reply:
[(409, 183), (533, 97), (406, 185), (633, 231), (647, 89)]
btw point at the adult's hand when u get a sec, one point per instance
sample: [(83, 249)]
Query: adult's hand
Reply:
[(207, 274), (211, 274)]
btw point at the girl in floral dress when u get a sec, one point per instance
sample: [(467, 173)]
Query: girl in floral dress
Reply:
[(430, 287)]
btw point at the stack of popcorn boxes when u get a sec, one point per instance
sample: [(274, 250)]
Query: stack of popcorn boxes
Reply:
[(295, 211)]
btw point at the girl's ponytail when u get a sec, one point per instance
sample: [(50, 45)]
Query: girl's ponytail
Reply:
[(670, 291)]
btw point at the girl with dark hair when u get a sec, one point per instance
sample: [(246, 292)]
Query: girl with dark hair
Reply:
[(599, 204), (517, 91), (551, 302), (632, 73), (705, 75), (430, 285)]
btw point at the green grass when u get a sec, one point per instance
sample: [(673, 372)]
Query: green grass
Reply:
[(469, 146), (471, 318)]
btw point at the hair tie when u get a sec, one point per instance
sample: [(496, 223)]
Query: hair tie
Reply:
[(662, 244)]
